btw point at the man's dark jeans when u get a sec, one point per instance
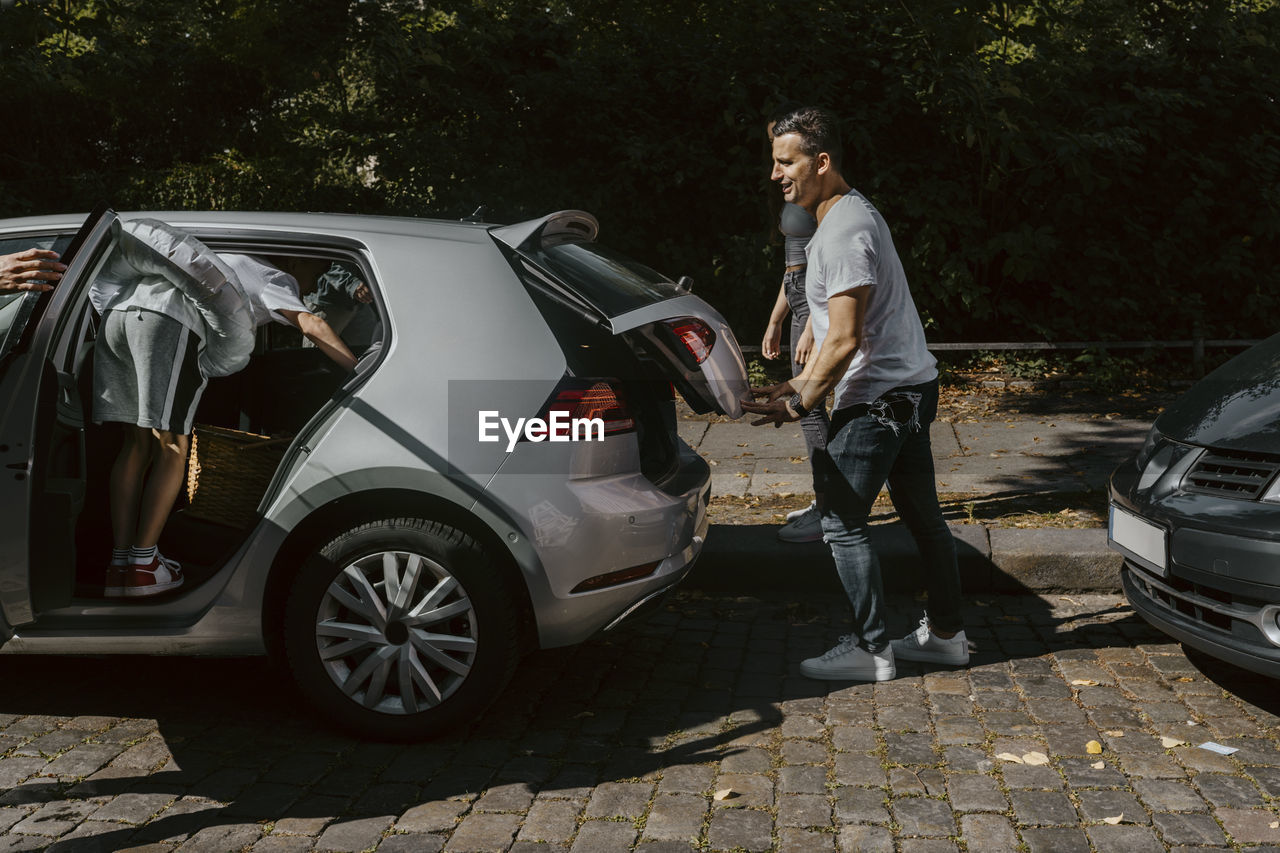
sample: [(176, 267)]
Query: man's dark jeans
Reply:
[(865, 450)]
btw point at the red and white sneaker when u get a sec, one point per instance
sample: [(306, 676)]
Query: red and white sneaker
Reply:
[(140, 579)]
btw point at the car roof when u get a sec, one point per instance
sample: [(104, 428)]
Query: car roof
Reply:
[(321, 223)]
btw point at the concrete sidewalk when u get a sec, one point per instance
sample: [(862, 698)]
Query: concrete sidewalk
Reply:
[(1007, 457)]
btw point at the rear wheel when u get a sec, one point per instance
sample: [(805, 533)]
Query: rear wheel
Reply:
[(401, 628)]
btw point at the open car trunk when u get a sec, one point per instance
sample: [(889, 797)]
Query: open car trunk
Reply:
[(688, 341), (617, 319)]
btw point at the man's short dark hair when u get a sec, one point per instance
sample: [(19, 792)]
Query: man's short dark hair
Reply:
[(817, 129)]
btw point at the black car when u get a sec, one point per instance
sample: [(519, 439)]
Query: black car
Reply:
[(1196, 514)]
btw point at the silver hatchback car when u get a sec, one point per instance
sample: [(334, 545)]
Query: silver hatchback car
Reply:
[(501, 472)]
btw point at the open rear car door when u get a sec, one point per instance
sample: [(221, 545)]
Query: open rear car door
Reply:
[(42, 421)]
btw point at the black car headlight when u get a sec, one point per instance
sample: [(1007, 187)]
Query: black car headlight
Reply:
[(1149, 447), (1272, 494)]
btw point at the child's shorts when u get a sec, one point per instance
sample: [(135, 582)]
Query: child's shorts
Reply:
[(146, 371)]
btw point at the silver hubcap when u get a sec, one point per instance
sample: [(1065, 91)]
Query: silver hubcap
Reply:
[(396, 632)]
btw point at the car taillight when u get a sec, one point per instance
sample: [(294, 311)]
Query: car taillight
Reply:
[(697, 337), (590, 399)]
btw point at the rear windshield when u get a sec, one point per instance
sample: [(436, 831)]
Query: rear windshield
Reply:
[(610, 281)]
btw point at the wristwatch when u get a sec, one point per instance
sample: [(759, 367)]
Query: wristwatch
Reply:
[(796, 404)]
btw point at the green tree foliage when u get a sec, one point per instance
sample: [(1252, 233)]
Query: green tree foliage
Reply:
[(1059, 169)]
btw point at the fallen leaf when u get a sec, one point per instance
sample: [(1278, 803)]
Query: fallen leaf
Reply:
[(1171, 742), (1098, 765), (1275, 824), (725, 794), (1114, 733), (1009, 756), (1113, 820), (1035, 759), (743, 474), (1186, 678), (1084, 682), (742, 445), (1093, 748)]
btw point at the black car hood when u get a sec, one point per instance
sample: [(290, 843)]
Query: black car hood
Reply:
[(1235, 407)]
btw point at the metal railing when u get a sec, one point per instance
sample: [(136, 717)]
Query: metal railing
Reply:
[(1196, 345)]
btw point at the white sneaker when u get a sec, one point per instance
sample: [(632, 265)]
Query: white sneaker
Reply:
[(796, 513), (924, 645), (804, 527), (849, 662)]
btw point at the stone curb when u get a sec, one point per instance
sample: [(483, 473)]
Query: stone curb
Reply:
[(746, 557)]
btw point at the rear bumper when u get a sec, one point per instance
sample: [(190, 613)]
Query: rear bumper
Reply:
[(587, 527)]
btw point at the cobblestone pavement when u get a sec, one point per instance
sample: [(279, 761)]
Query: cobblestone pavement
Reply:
[(692, 729)]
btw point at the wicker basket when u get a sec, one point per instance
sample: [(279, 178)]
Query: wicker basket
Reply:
[(229, 472)]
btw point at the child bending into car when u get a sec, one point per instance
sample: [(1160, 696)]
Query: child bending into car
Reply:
[(174, 314)]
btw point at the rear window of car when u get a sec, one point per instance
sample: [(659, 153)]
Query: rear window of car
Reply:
[(609, 280)]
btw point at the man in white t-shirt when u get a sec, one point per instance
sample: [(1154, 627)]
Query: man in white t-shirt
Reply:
[(871, 354)]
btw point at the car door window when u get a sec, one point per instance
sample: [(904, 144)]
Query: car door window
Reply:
[(16, 306)]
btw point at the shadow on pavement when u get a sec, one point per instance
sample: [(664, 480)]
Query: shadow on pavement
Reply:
[(1036, 457), (1255, 689), (704, 681), (231, 746)]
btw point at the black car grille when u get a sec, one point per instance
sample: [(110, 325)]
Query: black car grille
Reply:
[(1214, 611), (1232, 473)]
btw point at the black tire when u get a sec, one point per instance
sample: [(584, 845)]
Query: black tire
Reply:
[(442, 651)]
